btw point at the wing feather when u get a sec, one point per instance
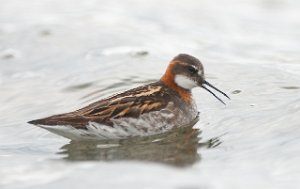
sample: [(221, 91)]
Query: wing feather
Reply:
[(132, 103)]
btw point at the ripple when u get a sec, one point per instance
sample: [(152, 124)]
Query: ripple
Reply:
[(78, 87), (290, 87), (120, 50), (236, 91), (8, 54), (114, 87)]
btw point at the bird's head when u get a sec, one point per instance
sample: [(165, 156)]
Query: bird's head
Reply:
[(186, 72)]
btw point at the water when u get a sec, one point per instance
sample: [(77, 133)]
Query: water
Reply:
[(58, 56)]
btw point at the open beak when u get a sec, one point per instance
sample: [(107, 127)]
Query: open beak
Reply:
[(204, 86)]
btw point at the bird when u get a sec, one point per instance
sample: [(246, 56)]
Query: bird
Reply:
[(144, 111)]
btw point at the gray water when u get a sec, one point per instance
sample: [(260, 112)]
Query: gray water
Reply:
[(58, 55)]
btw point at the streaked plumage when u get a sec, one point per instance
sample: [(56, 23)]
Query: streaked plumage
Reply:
[(147, 110)]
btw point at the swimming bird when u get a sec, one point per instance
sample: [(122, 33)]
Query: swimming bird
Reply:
[(143, 111)]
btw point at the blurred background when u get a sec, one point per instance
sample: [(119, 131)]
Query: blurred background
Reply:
[(60, 55)]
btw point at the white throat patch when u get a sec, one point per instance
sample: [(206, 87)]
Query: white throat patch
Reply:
[(185, 82)]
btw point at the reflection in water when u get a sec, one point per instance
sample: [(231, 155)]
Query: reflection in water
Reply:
[(290, 87), (177, 148)]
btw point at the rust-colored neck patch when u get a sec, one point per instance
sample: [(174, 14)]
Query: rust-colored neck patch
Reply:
[(168, 79)]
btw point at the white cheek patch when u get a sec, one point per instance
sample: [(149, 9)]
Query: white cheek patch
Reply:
[(185, 82)]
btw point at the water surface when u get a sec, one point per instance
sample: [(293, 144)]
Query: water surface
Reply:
[(58, 56)]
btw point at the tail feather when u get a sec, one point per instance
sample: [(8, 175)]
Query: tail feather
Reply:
[(63, 119), (36, 122)]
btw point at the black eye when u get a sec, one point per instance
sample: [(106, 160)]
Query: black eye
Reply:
[(192, 70)]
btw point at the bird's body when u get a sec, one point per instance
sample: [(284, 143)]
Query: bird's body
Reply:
[(143, 111)]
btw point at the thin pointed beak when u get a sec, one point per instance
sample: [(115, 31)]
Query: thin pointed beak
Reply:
[(205, 83)]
